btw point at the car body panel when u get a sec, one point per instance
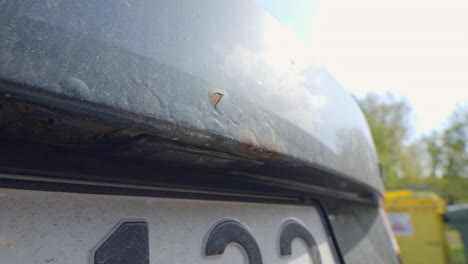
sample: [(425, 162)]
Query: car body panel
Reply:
[(206, 75), (184, 100)]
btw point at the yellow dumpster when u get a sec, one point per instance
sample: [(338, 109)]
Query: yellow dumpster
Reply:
[(417, 219)]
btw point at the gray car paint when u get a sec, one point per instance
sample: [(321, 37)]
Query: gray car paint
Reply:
[(162, 61)]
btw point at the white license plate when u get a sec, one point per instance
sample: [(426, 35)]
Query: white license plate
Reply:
[(51, 227)]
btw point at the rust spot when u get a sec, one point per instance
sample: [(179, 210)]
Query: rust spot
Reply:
[(26, 108), (256, 152), (215, 98)]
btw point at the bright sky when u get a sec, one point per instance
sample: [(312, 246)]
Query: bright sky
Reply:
[(417, 49)]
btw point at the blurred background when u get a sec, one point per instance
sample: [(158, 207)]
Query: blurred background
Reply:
[(406, 64)]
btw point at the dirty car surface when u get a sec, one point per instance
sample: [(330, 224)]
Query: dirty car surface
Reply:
[(183, 99)]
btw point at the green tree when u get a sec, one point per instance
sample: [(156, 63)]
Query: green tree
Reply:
[(411, 165), (443, 154), (434, 147), (455, 140), (388, 118), (448, 151)]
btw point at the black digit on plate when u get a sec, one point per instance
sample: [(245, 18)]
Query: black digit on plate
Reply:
[(128, 244), (229, 232), (291, 230)]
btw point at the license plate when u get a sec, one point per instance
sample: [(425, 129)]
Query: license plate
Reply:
[(52, 227)]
